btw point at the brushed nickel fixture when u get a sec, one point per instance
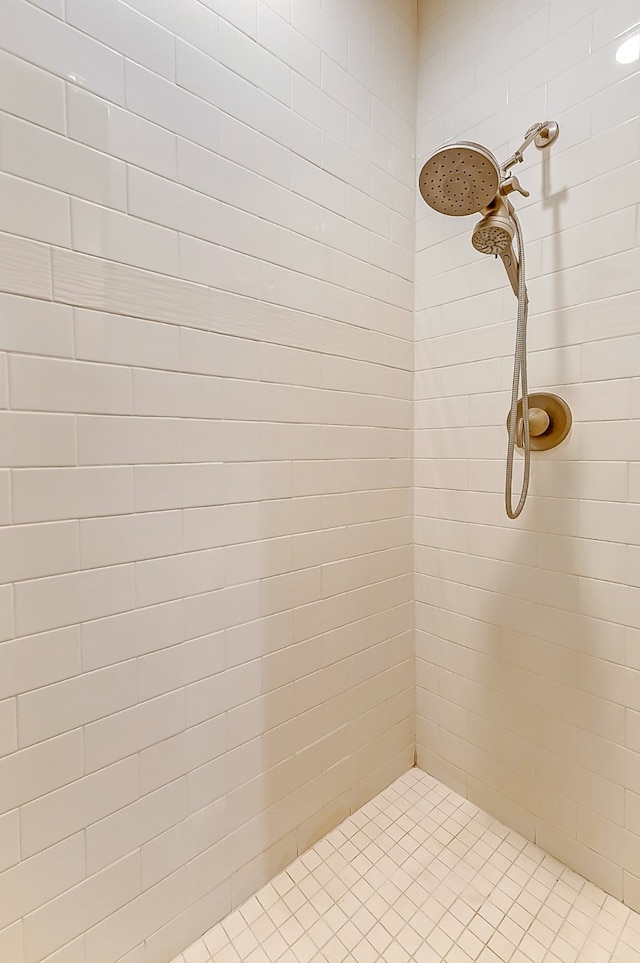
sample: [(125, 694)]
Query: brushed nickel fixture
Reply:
[(549, 421), (465, 178)]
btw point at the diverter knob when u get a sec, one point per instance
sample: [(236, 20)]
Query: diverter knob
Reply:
[(511, 184)]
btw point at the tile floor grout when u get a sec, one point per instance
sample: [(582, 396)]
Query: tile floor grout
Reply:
[(421, 875)]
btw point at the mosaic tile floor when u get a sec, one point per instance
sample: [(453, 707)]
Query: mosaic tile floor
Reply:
[(421, 875)]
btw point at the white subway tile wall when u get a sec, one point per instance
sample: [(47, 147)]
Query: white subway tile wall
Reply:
[(528, 673), (209, 238), (206, 277)]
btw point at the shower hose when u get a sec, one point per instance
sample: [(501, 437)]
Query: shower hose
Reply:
[(519, 378)]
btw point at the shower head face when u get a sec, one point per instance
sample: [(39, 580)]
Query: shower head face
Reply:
[(460, 179), (493, 234)]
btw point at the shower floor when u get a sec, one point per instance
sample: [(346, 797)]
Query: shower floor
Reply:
[(421, 874)]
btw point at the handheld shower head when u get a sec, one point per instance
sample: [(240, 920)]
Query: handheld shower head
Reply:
[(493, 234), (460, 179)]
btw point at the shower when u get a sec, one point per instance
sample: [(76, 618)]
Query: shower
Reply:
[(465, 178)]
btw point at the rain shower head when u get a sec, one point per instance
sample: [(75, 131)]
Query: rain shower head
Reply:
[(460, 179)]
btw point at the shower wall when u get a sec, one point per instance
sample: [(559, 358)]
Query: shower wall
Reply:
[(206, 266), (528, 632)]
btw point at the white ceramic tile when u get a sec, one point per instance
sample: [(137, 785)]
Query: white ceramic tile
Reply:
[(31, 439), (67, 705), (193, 22), (81, 907), (176, 395), (126, 830), (54, 7), (120, 237), (107, 286), (128, 441), (223, 691), (163, 671), (456, 911), (33, 661), (70, 167), (178, 576), (298, 237), (120, 933), (276, 34), (111, 739), (39, 384), (196, 72), (39, 879), (52, 45), (328, 33), (33, 772), (592, 496), (128, 313), (116, 339), (58, 493), (129, 538), (177, 486), (198, 749), (61, 600), (10, 835), (8, 739), (137, 38), (159, 200), (167, 105), (119, 637), (319, 108), (4, 382), (108, 128), (31, 93), (242, 55), (216, 354), (244, 18), (345, 89), (32, 326), (243, 563), (25, 267), (63, 812), (33, 211), (32, 551)]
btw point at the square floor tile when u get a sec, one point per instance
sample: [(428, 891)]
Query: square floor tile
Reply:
[(421, 875)]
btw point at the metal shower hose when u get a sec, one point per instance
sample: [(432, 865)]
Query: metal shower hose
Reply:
[(519, 377)]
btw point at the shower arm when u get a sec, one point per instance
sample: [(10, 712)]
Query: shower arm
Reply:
[(543, 135)]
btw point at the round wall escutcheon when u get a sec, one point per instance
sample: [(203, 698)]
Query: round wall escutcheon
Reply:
[(560, 420), (547, 136)]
